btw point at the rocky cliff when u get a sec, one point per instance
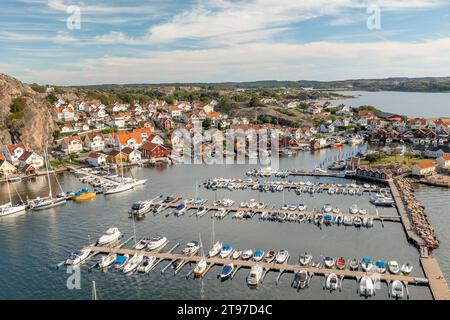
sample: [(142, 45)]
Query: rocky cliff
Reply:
[(28, 122)]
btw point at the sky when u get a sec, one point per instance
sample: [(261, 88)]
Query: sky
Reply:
[(71, 42)]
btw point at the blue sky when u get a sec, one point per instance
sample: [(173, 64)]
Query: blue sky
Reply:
[(152, 41)]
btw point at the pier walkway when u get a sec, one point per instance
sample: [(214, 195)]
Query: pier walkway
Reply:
[(88, 174), (275, 211), (438, 284), (344, 273)]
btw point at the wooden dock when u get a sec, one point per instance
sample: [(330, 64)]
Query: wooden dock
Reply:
[(436, 279), (282, 268), (278, 211), (88, 174), (296, 185)]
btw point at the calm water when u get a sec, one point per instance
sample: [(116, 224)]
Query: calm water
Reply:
[(31, 244), (412, 104)]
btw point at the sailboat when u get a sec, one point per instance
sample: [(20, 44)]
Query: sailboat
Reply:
[(215, 247), (9, 208), (46, 202), (202, 265), (123, 185)]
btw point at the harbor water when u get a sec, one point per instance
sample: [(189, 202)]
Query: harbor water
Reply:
[(31, 244)]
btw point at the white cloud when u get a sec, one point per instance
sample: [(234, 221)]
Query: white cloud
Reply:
[(256, 61)]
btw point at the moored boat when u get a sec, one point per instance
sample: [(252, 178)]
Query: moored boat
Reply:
[(78, 256), (282, 256), (121, 260), (258, 255), (341, 263), (226, 251), (366, 287), (227, 271), (108, 260), (329, 262), (332, 282), (393, 267), (354, 264), (255, 275), (133, 263), (305, 259), (236, 254), (200, 268), (147, 264), (111, 235), (300, 279), (366, 264), (157, 242), (215, 249), (406, 269), (397, 289), (270, 256), (247, 254), (84, 195)]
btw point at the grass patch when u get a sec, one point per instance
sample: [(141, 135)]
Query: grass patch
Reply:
[(385, 160)]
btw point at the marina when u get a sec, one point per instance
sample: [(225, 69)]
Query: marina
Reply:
[(247, 233)]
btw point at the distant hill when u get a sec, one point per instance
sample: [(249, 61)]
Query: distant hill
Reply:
[(427, 84)]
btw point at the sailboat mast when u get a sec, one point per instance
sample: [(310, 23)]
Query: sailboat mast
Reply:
[(48, 173), (9, 191), (94, 291)]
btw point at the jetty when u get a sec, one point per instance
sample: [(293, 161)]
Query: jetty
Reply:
[(89, 174), (256, 211), (280, 268)]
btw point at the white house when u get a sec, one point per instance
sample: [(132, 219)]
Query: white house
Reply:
[(444, 161), (423, 168), (95, 142), (31, 158), (13, 152), (72, 144), (96, 159), (314, 109), (132, 155)]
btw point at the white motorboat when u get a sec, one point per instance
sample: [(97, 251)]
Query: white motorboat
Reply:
[(180, 209), (108, 260), (78, 256), (393, 267), (254, 277), (247, 254), (258, 255), (282, 256), (142, 244), (329, 262), (133, 263), (226, 251), (121, 187), (227, 271), (380, 199), (200, 268), (305, 259), (327, 208), (121, 261), (362, 211), (397, 289), (147, 264), (111, 235), (157, 242), (236, 254), (348, 221), (140, 207), (366, 287), (332, 282), (201, 211), (406, 269), (221, 212), (191, 248), (302, 207), (354, 209)]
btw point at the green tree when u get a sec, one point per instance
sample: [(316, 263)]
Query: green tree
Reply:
[(206, 124)]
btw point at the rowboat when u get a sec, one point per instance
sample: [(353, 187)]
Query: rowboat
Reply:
[(329, 262), (282, 256), (341, 263), (393, 267), (247, 254), (397, 289), (270, 256), (406, 269), (354, 264)]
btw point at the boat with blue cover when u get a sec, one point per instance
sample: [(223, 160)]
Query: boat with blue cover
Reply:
[(258, 255), (366, 264), (227, 270)]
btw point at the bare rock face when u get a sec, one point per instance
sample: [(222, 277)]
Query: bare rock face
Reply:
[(30, 127)]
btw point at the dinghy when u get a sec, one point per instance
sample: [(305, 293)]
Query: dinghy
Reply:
[(393, 267), (354, 209), (305, 259), (282, 256), (341, 263), (201, 211), (397, 289), (406, 269), (366, 287), (270, 256), (332, 282), (354, 264), (300, 279), (329, 262), (142, 244), (247, 254), (381, 266), (236, 254), (366, 264), (258, 255)]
